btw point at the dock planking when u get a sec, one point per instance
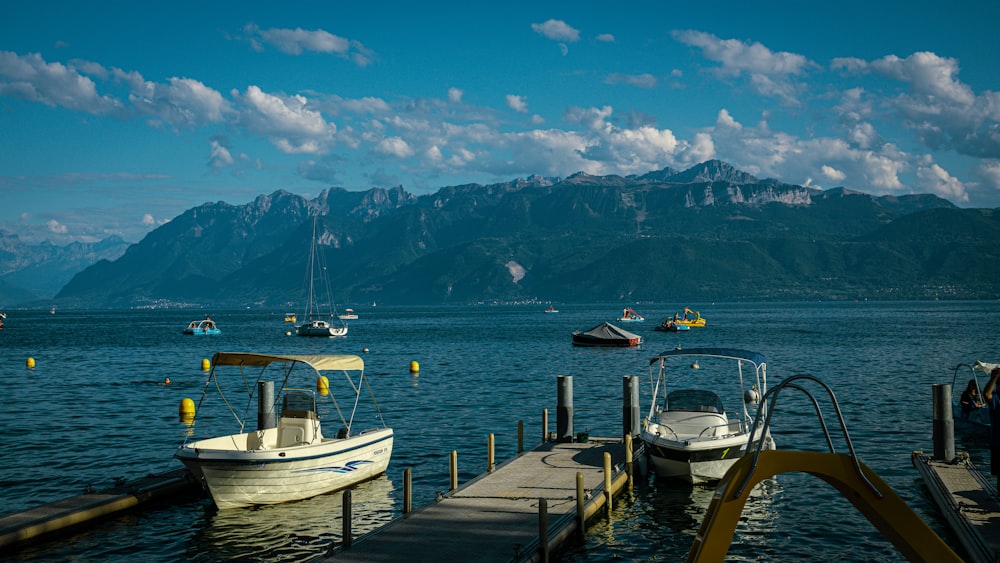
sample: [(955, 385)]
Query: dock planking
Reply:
[(71, 513), (495, 517), (967, 501)]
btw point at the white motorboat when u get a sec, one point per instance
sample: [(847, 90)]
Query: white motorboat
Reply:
[(316, 323), (293, 460), (688, 434)]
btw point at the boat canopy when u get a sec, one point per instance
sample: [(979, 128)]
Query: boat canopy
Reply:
[(609, 331), (754, 357), (319, 362)]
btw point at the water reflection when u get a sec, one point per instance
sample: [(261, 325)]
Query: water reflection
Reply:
[(292, 531)]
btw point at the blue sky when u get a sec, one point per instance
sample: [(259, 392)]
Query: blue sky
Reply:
[(116, 117)]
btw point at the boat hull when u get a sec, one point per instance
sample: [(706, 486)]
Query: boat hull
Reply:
[(239, 477), (585, 340), (322, 329), (693, 460)]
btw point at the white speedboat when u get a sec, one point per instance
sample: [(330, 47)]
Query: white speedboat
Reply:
[(688, 433), (293, 460)]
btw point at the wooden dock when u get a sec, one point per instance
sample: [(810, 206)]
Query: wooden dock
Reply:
[(45, 521), (967, 501), (495, 517)]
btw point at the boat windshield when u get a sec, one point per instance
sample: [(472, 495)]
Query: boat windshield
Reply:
[(695, 400), (298, 402)]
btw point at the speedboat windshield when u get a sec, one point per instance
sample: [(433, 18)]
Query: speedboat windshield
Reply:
[(694, 400)]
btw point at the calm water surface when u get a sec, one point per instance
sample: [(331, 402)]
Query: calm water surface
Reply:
[(93, 409)]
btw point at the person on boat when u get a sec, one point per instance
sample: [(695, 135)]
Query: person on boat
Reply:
[(993, 401), (970, 399)]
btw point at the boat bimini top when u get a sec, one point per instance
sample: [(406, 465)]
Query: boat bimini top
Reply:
[(319, 362), (754, 358)]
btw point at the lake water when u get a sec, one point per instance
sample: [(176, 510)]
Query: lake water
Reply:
[(92, 409)]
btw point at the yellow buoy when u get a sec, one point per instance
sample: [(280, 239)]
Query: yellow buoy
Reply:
[(323, 385), (205, 364), (186, 411), (30, 362), (414, 367)]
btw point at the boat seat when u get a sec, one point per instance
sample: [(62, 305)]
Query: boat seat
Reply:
[(295, 431)]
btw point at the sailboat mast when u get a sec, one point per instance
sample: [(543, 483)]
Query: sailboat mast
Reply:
[(312, 271)]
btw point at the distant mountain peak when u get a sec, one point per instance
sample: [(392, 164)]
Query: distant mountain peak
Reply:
[(713, 171)]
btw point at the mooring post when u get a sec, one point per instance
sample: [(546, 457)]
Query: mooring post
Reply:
[(490, 464), (545, 426), (628, 460), (453, 469), (607, 479), (564, 410), (944, 423), (407, 491), (630, 405), (265, 405), (345, 541), (581, 509), (520, 437), (543, 529)]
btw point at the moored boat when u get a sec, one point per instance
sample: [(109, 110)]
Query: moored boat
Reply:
[(551, 309), (318, 324), (629, 315), (695, 319), (688, 434), (203, 327), (348, 315), (290, 318), (293, 460), (671, 325), (974, 416), (606, 334)]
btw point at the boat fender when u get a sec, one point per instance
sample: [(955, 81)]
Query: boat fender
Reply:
[(186, 411), (323, 385)]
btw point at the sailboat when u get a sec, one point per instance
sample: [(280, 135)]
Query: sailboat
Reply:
[(316, 323)]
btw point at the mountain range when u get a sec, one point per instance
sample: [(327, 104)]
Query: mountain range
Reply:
[(708, 233)]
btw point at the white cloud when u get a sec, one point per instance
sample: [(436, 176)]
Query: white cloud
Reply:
[(180, 102), (770, 72), (936, 180), (557, 30), (724, 119), (639, 80), (832, 173), (517, 103), (219, 156), (394, 146), (30, 78), (454, 95), (288, 121), (298, 40), (56, 228), (606, 38)]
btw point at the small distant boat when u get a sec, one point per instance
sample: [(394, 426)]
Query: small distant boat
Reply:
[(316, 323), (348, 315), (52, 311), (290, 318), (606, 334), (695, 318), (2, 317), (206, 326), (551, 309), (670, 325), (630, 316)]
